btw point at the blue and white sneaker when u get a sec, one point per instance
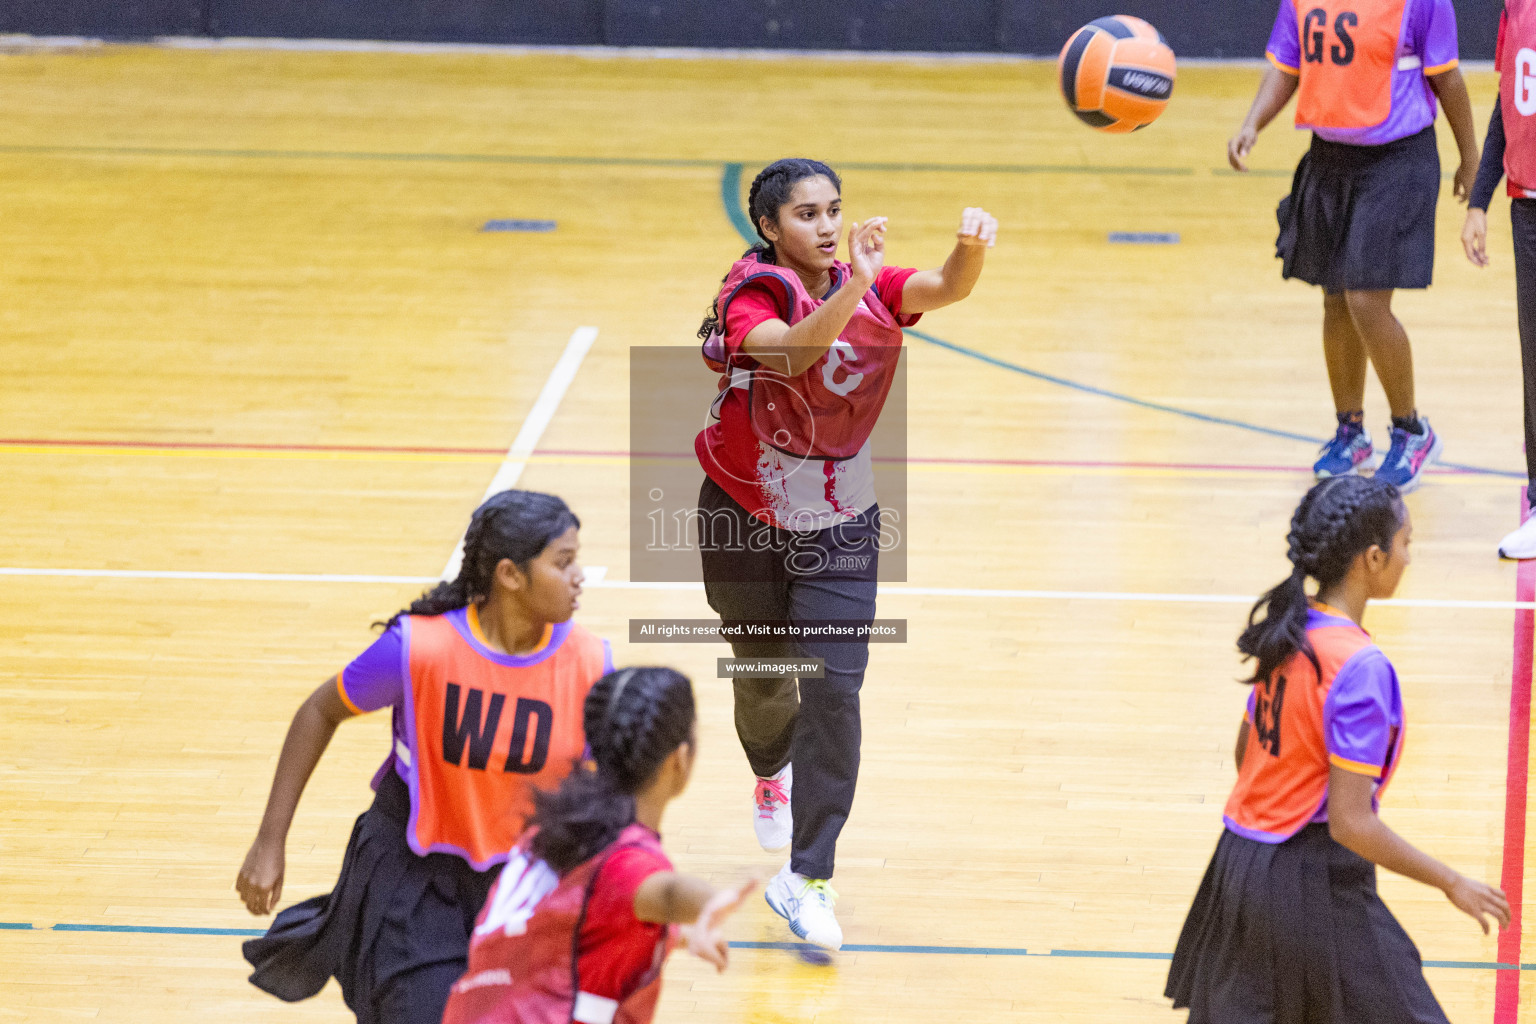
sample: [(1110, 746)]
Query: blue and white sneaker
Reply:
[(1409, 456), (1346, 453), (806, 903)]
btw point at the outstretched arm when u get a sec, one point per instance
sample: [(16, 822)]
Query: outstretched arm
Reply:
[(1275, 91), (934, 289), (260, 882), (1353, 823), (670, 898)]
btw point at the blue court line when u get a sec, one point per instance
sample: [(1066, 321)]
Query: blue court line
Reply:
[(150, 929), (730, 195), (852, 947)]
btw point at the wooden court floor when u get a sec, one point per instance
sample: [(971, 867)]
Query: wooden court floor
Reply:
[(250, 325)]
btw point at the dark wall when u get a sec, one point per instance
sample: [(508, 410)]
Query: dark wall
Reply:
[(569, 22), (1195, 28), (105, 18), (933, 25)]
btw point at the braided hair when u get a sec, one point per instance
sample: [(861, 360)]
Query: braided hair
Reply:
[(1339, 518), (635, 718), (510, 524), (770, 191)]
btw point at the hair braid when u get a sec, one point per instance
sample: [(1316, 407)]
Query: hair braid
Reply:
[(770, 190), (1339, 518), (635, 718), (515, 525)]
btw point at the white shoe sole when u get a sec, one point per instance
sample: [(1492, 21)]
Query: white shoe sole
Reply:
[(1519, 556), (793, 925), (1371, 462), (1429, 460)]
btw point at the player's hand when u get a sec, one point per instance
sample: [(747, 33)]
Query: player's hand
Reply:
[(977, 227), (1240, 145), (705, 938), (866, 250), (260, 882), (1466, 177), (1474, 236), (1479, 901)]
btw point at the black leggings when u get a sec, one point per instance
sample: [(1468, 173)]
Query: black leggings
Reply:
[(756, 571), (1522, 219)]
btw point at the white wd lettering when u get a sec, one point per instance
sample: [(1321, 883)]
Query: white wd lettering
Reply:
[(1525, 88)]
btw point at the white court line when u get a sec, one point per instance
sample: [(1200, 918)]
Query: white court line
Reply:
[(533, 427), (597, 580)]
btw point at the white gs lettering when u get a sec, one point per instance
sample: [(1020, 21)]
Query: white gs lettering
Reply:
[(835, 356), (518, 892), (1525, 87)]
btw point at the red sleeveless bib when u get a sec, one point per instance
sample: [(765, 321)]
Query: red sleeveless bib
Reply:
[(483, 734), (523, 966), (1516, 62), (1348, 53), (828, 411)]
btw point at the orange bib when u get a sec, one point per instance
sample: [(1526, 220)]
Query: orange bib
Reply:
[(1348, 53), (1283, 781), (485, 730)]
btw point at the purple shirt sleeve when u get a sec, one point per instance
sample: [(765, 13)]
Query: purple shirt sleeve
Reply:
[(1362, 712), (1284, 47), (374, 679), (1434, 35)]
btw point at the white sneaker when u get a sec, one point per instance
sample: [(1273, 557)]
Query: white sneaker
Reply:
[(771, 820), (806, 903), (1520, 543)]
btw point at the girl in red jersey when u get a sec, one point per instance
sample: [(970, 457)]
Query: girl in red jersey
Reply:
[(487, 677), (581, 920), (1509, 150), (1287, 926), (789, 522)]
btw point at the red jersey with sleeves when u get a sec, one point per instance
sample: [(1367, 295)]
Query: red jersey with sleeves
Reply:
[(793, 451), (1515, 60), (1301, 722), (535, 923), (475, 729)]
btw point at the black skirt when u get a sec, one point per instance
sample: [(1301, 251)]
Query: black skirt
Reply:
[(1294, 933), (392, 912), (1362, 218)]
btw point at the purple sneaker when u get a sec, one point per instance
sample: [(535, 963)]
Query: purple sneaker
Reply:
[(1408, 457), (1346, 453)]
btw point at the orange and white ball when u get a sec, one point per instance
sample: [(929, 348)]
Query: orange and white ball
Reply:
[(1116, 73)]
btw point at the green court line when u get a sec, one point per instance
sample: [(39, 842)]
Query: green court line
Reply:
[(562, 160), (342, 154), (730, 198)]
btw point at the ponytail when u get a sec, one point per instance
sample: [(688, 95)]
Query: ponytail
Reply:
[(516, 525), (635, 718), (769, 192), (1339, 518)]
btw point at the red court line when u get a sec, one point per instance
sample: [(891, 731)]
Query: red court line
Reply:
[(384, 449), (1506, 993)]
